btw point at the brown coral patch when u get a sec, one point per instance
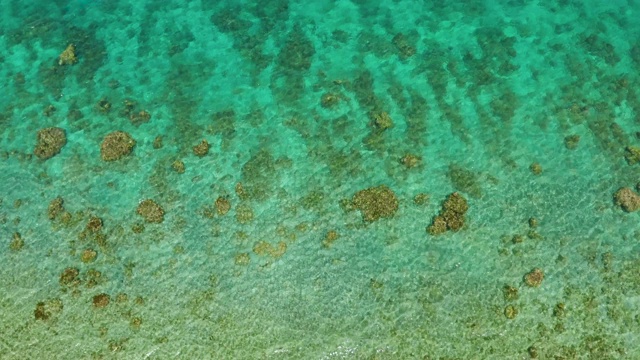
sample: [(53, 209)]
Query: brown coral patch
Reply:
[(68, 56), (451, 216), (151, 211), (101, 300), (534, 277), (49, 143), (69, 276), (627, 199), (223, 205), (116, 145), (201, 149), (375, 203)]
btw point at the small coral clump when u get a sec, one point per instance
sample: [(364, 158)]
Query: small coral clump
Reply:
[(451, 216), (627, 199), (632, 155), (116, 145), (151, 211), (69, 276), (534, 277), (94, 224), (88, 255), (405, 49), (375, 203), (571, 141), (178, 166), (380, 120), (68, 56), (329, 100), (49, 143), (101, 300), (223, 205), (410, 161), (330, 238), (201, 149), (56, 207), (244, 214), (535, 168)]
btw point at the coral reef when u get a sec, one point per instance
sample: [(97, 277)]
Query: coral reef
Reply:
[(380, 120), (534, 277), (69, 276), (329, 238), (49, 142), (571, 141), (464, 180), (405, 49), (242, 259), (627, 199), (632, 155), (88, 255), (178, 166), (329, 100), (410, 161), (17, 243), (201, 149), (45, 310), (375, 203), (101, 300), (56, 207), (116, 145), (244, 214), (223, 205), (421, 199), (535, 168), (451, 216), (68, 56), (150, 211)]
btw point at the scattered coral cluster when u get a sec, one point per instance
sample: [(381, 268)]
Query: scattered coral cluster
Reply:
[(116, 145), (49, 143), (451, 216), (375, 203), (627, 199)]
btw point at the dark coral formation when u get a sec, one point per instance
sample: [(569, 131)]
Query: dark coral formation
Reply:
[(375, 203), (69, 276), (68, 56), (571, 141), (116, 145), (380, 120), (329, 100), (56, 207), (151, 211), (410, 160), (632, 155), (101, 300), (50, 142), (627, 199), (201, 149), (534, 277), (46, 309), (222, 205), (451, 216), (405, 49), (465, 180)]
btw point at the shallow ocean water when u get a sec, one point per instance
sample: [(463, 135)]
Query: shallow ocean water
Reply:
[(529, 111)]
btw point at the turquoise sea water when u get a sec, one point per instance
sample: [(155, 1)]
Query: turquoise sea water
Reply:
[(529, 110)]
